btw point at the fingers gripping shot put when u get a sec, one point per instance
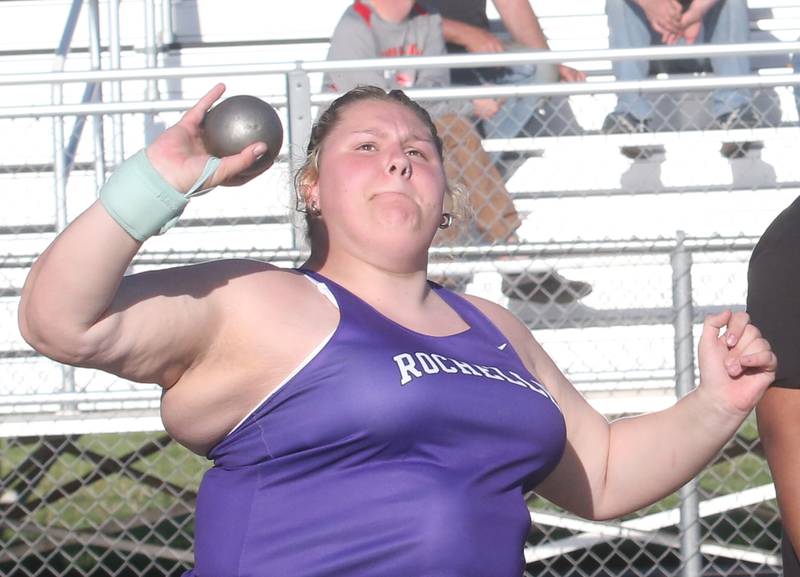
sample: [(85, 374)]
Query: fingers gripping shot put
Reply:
[(239, 139), (362, 420)]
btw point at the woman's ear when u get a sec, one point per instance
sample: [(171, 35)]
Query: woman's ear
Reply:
[(307, 189), (311, 191), (311, 196)]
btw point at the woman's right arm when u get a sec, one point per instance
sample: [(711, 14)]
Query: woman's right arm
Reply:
[(77, 306), (64, 311)]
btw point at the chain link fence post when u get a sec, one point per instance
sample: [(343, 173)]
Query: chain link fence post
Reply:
[(298, 92), (115, 63), (96, 47), (151, 61), (60, 163), (689, 526)]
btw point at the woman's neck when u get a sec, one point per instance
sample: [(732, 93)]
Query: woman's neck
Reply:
[(375, 281)]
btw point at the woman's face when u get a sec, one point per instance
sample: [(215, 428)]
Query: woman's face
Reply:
[(381, 179)]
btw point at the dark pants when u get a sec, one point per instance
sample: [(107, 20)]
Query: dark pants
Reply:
[(791, 566)]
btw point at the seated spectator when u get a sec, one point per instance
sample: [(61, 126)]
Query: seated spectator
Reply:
[(466, 29), (382, 28), (641, 23)]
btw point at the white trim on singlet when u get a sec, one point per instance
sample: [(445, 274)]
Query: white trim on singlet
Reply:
[(323, 288)]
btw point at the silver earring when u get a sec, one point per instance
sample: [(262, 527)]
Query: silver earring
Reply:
[(314, 208), (447, 220)]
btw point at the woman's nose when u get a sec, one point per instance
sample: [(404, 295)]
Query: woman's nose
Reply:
[(399, 165)]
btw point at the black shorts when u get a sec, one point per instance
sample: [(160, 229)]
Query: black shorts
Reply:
[(773, 294), (791, 566)]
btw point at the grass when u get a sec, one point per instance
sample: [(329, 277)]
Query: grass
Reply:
[(121, 505), (56, 503)]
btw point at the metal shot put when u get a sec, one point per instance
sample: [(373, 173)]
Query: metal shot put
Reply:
[(238, 122)]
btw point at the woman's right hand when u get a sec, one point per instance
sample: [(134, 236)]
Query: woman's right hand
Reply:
[(180, 156)]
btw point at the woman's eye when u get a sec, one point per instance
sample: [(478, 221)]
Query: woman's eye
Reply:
[(415, 152), (366, 146)]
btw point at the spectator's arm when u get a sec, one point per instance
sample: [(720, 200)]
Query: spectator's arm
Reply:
[(692, 21), (697, 9), (663, 15), (472, 38), (521, 22), (523, 25), (779, 426)]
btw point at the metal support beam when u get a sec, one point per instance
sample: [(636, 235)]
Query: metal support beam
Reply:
[(118, 142), (298, 91), (689, 525)]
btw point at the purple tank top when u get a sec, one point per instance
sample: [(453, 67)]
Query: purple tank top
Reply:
[(387, 453)]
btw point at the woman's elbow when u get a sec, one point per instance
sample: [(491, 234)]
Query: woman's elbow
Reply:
[(46, 336)]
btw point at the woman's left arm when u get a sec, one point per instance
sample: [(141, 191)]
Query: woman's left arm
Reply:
[(612, 469)]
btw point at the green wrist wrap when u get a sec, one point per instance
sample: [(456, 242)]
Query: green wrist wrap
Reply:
[(141, 201)]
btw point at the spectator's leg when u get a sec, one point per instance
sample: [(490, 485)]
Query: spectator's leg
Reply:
[(515, 113), (468, 164), (727, 22), (512, 120), (628, 28), (527, 116)]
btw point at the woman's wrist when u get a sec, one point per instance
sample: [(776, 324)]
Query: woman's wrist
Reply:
[(142, 202), (715, 413)]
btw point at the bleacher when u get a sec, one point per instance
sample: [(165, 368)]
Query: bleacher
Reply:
[(580, 190)]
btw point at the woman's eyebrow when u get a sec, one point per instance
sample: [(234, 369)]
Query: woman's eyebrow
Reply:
[(370, 131), (378, 133), (421, 138)]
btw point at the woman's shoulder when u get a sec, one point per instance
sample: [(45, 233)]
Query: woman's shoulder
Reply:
[(265, 306), (507, 323), (230, 270), (229, 281), (525, 344), (242, 276), (504, 319)]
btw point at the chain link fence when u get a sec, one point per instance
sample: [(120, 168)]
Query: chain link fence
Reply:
[(575, 235)]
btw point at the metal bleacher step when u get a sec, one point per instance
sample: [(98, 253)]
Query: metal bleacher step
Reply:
[(778, 135), (684, 163)]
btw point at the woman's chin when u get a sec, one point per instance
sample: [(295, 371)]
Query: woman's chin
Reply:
[(398, 216)]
